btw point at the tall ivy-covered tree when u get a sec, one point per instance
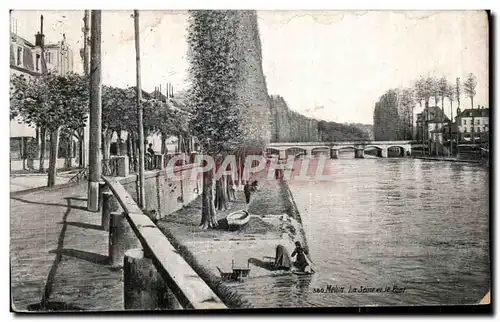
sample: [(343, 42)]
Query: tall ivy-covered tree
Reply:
[(213, 70), (406, 106), (52, 102)]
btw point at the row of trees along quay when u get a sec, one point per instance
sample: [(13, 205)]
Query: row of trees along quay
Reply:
[(393, 116), (60, 104), (218, 111)]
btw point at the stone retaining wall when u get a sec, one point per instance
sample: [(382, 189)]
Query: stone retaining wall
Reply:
[(163, 193)]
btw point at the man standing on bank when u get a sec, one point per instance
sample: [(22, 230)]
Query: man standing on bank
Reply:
[(248, 189)]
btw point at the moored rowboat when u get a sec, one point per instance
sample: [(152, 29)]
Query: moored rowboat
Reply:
[(238, 219)]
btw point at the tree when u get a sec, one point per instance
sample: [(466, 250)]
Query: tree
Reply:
[(407, 105), (442, 89), (450, 95), (51, 102), (116, 105), (165, 119), (213, 70), (470, 90), (458, 91), (387, 122)]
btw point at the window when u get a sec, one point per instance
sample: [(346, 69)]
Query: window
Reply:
[(47, 57), (37, 62), (478, 121), (465, 122), (19, 53), (472, 129), (478, 129)]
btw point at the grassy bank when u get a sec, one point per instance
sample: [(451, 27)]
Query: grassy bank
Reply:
[(274, 220)]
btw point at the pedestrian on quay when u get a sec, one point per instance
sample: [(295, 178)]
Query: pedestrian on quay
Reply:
[(150, 155), (248, 189)]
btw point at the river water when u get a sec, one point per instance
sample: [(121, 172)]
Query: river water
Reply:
[(393, 224)]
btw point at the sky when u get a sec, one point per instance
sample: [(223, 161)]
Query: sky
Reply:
[(332, 65)]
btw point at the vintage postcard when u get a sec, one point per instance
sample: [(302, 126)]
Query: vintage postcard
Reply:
[(246, 159)]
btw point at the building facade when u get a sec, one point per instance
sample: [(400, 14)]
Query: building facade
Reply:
[(430, 121), (473, 122), (25, 59)]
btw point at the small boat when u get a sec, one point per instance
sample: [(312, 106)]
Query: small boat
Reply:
[(237, 219), (302, 273)]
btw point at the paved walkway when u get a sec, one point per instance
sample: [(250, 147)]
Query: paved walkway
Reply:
[(58, 253), (19, 182)]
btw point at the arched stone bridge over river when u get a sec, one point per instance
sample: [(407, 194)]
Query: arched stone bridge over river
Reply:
[(283, 149)]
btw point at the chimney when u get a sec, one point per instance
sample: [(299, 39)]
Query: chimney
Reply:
[(40, 37)]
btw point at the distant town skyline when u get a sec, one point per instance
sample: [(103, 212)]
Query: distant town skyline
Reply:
[(330, 65)]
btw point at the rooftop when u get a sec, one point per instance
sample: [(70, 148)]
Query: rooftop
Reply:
[(15, 37), (477, 112)]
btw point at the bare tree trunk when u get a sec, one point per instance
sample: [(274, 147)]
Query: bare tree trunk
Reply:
[(451, 132), (427, 127), (473, 125), (221, 199), (134, 153), (23, 152), (81, 147), (163, 143), (229, 188), (208, 214), (129, 144), (119, 142), (54, 144), (220, 187), (69, 150), (43, 134), (106, 144)]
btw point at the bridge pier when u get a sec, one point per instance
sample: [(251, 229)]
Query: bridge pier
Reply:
[(282, 155), (359, 154), (308, 153), (383, 153), (334, 154)]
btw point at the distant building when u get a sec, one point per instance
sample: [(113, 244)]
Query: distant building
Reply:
[(25, 59), (431, 120), (475, 121)]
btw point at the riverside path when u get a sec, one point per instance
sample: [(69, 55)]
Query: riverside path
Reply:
[(58, 253)]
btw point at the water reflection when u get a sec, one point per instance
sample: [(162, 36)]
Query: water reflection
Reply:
[(417, 224)]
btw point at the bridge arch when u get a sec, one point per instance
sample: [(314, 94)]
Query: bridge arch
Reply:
[(272, 151), (345, 147), (370, 147), (402, 149), (294, 150), (318, 150)]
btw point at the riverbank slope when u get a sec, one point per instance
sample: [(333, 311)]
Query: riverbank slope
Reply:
[(274, 221)]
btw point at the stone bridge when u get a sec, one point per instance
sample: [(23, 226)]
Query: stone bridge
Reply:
[(359, 147)]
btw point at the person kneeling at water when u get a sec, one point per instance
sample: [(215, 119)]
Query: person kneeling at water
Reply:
[(301, 262)]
